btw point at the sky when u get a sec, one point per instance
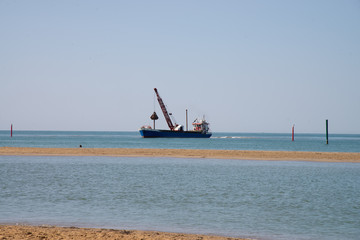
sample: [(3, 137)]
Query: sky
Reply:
[(246, 65)]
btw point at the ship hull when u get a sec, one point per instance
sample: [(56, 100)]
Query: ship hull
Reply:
[(155, 133)]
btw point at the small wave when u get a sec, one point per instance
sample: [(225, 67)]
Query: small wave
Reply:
[(232, 137)]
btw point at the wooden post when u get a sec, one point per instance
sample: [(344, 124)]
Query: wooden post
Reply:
[(292, 135), (327, 131), (11, 130)]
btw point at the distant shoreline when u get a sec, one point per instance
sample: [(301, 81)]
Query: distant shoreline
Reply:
[(187, 153)]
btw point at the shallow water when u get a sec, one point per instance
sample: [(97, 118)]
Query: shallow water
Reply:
[(233, 141), (258, 199)]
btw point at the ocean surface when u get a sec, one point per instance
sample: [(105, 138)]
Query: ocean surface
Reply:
[(264, 200), (233, 141)]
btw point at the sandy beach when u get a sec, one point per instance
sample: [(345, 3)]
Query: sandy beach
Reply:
[(186, 153), (66, 233)]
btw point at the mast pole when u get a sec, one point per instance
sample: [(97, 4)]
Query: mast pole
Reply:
[(186, 120)]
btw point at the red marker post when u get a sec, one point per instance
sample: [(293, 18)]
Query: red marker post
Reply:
[(292, 135), (11, 130)]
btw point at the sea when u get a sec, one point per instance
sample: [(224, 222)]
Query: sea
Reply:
[(229, 141), (265, 200)]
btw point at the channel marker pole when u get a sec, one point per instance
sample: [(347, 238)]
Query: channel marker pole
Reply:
[(327, 131)]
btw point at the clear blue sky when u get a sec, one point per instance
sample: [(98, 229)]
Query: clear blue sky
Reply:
[(249, 66)]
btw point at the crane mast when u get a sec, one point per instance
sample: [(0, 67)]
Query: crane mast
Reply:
[(165, 112)]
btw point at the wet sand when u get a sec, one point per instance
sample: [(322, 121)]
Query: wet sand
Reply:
[(66, 233), (187, 153)]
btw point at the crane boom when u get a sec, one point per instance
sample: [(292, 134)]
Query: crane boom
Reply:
[(165, 112)]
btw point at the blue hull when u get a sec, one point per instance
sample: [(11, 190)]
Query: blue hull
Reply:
[(145, 133)]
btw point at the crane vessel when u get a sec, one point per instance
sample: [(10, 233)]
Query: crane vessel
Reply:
[(200, 127)]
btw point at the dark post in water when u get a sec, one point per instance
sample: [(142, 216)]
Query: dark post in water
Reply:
[(327, 132)]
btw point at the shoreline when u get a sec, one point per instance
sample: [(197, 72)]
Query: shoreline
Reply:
[(67, 233), (187, 153)]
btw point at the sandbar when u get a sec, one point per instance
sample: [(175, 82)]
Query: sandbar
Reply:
[(67, 233), (187, 153)]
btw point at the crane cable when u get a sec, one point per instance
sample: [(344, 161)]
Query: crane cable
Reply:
[(154, 102)]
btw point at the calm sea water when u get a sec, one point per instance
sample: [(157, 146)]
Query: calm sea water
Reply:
[(241, 141), (257, 199)]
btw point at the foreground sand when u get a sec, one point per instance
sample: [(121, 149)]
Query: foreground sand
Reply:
[(186, 153), (49, 232)]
